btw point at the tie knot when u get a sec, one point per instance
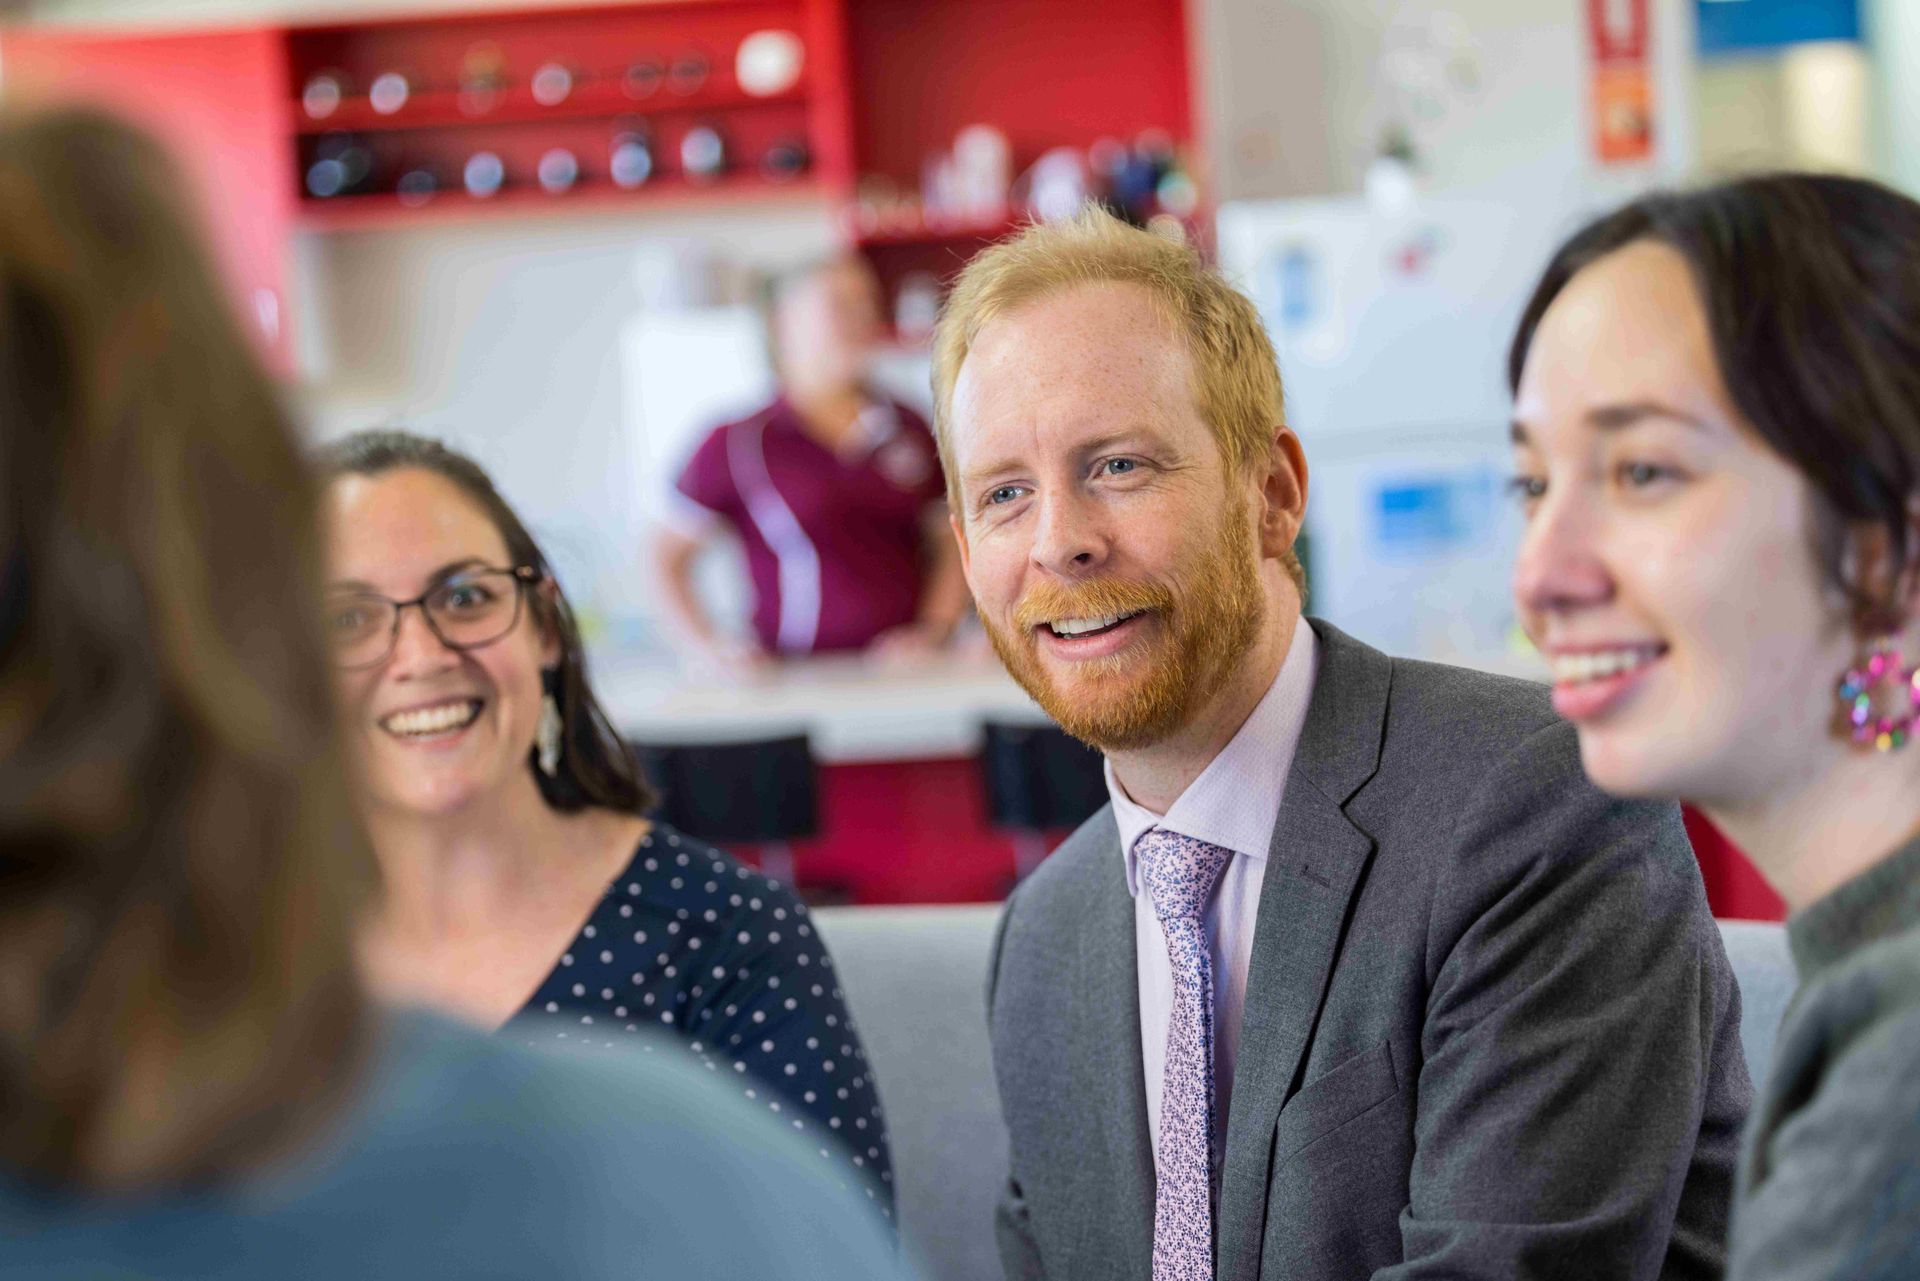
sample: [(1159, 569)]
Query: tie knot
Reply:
[(1179, 872)]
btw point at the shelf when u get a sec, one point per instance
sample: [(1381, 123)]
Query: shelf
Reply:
[(933, 232), (404, 19), (384, 209), (440, 108)]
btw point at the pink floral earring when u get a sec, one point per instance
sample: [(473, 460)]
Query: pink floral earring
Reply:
[(1883, 669)]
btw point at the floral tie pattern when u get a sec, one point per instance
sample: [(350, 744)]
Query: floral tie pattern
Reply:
[(1179, 874)]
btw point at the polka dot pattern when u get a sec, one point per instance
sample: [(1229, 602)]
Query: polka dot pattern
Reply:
[(689, 940)]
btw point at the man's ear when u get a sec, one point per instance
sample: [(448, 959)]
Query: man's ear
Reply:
[(1283, 493), (960, 541)]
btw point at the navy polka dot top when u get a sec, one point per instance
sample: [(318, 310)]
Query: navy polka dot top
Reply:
[(688, 939)]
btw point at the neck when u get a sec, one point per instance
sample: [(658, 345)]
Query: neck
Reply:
[(445, 874), (1155, 775), (1829, 827), (828, 413)]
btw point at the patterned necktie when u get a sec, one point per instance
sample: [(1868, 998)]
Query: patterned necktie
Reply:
[(1179, 874)]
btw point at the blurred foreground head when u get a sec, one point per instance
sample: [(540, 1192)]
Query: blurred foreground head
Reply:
[(177, 862)]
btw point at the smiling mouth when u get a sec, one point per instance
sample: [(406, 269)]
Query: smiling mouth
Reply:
[(1070, 628), (431, 722), (1603, 664)]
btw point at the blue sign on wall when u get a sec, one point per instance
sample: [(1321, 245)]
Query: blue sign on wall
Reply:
[(1749, 26)]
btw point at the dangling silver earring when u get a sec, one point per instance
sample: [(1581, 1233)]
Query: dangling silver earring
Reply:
[(547, 737)]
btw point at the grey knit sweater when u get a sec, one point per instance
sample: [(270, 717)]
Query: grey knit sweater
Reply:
[(1830, 1180)]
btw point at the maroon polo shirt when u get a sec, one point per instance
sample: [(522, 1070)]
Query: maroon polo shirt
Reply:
[(834, 541)]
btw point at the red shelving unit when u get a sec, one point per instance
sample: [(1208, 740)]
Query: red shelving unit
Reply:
[(469, 89), (384, 209), (442, 108), (884, 84), (1046, 73), (924, 231)]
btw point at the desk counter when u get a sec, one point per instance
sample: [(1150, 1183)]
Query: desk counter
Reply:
[(855, 709)]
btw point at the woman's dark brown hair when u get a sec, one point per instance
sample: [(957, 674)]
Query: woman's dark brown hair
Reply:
[(1811, 289), (178, 863), (597, 768)]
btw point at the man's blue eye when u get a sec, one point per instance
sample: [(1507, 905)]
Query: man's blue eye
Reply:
[(1004, 494), (1120, 466)]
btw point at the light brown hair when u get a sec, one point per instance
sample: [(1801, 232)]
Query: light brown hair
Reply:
[(178, 862), (1236, 374)]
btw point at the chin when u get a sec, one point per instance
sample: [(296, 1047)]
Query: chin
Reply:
[(1636, 771), (1115, 713), (430, 797)]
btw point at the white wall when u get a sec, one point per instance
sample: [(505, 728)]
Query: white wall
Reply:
[(1893, 38), (1295, 102), (1803, 107), (504, 338)]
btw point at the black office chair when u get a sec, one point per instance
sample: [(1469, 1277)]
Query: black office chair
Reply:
[(1038, 779), (763, 793)]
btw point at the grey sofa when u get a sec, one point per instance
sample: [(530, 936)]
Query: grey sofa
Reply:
[(915, 978)]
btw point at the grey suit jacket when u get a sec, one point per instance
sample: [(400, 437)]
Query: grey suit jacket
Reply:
[(1490, 1030)]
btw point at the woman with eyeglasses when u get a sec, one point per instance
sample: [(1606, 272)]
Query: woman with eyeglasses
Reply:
[(194, 1081), (521, 883), (1717, 439)]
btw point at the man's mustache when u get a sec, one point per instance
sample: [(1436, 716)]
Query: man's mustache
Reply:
[(1096, 598)]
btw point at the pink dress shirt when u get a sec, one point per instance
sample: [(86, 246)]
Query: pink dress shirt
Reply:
[(1235, 803)]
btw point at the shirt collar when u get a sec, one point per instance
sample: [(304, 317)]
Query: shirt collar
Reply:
[(876, 424), (1235, 802)]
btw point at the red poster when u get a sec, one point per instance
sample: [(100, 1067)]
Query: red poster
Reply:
[(1621, 80)]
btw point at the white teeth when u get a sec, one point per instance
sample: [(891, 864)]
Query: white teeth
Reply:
[(432, 720), (1575, 669), (1080, 626)]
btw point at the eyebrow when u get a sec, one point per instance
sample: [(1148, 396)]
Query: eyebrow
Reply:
[(1619, 417), (435, 579)]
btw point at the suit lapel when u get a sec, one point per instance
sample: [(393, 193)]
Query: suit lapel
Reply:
[(1113, 1190), (1313, 868)]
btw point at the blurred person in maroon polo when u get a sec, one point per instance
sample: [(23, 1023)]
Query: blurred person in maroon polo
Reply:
[(833, 489)]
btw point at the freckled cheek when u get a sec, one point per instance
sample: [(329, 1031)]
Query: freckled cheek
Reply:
[(1163, 544), (994, 569)]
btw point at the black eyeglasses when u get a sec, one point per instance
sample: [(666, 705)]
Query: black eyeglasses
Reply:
[(473, 608)]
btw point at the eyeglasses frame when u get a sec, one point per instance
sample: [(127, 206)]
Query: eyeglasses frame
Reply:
[(524, 576)]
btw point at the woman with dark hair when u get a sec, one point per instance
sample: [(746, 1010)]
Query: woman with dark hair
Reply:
[(192, 1080), (1717, 430), (521, 882)]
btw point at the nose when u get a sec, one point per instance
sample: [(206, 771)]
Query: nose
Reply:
[(1560, 567), (1070, 539), (417, 652)]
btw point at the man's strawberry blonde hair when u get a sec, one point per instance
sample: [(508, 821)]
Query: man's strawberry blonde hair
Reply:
[(1236, 374)]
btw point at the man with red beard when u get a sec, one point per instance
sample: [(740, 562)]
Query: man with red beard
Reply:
[(1356, 976)]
